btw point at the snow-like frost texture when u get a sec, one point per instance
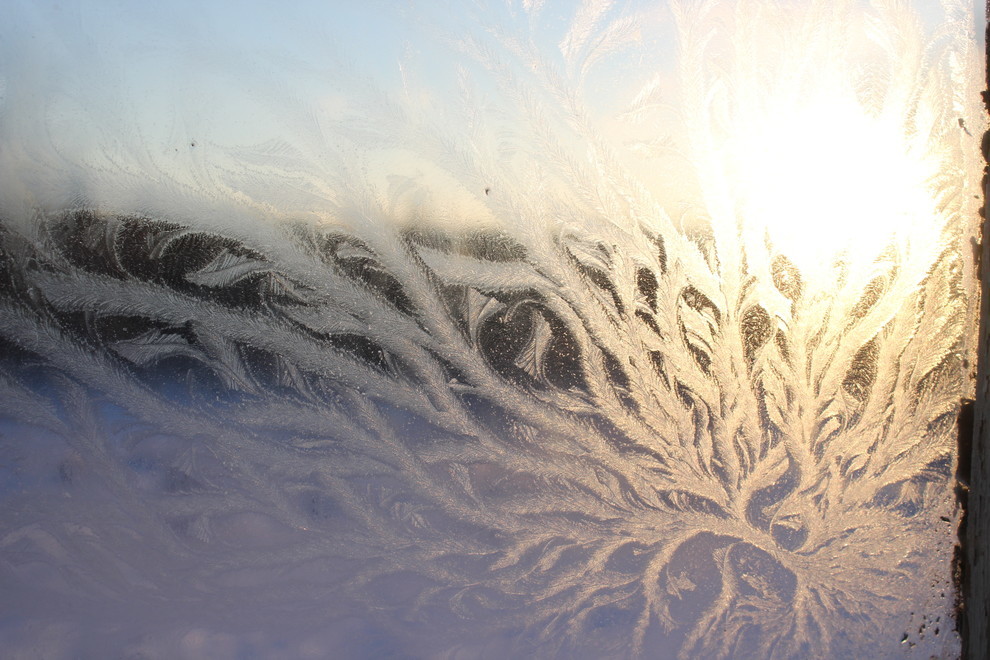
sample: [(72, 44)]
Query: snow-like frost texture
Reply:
[(461, 368)]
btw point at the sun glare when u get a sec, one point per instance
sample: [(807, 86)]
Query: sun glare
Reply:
[(830, 182)]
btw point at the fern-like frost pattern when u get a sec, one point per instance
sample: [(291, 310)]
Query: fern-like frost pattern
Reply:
[(545, 394)]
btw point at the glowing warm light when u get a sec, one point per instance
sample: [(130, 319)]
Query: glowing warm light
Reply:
[(829, 181)]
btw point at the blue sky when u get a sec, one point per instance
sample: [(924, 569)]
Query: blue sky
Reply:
[(97, 94)]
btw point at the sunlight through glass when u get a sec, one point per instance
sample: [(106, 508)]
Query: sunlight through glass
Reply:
[(490, 329), (828, 181)]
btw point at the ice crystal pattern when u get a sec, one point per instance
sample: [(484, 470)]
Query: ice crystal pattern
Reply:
[(584, 429)]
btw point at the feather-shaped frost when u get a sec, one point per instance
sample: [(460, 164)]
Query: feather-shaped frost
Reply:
[(532, 380)]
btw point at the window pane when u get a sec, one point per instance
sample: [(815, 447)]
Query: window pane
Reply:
[(535, 329)]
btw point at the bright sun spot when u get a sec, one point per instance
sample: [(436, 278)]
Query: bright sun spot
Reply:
[(831, 182)]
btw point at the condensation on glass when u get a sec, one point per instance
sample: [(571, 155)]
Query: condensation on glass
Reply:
[(482, 330)]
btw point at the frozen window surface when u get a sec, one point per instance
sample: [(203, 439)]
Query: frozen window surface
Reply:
[(533, 329)]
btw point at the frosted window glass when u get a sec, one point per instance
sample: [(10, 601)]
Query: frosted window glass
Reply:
[(470, 330)]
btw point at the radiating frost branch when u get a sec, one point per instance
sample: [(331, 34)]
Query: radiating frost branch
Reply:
[(579, 418)]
